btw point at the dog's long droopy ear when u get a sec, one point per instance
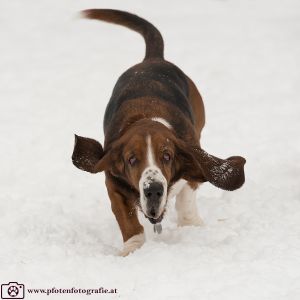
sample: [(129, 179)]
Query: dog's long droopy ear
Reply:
[(187, 164), (88, 155), (227, 174)]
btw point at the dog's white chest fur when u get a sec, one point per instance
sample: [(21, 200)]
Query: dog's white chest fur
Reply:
[(176, 188)]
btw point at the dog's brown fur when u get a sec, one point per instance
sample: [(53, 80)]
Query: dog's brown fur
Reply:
[(154, 88)]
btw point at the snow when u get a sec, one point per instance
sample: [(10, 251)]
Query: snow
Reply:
[(56, 225)]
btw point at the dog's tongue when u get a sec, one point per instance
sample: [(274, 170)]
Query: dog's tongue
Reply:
[(157, 228)]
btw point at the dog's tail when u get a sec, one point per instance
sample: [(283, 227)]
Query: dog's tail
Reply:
[(153, 39)]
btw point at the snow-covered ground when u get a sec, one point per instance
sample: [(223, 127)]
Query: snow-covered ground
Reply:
[(56, 225)]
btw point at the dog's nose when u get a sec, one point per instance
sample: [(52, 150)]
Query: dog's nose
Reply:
[(152, 212), (154, 191)]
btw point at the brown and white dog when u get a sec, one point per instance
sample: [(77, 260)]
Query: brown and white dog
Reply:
[(152, 152)]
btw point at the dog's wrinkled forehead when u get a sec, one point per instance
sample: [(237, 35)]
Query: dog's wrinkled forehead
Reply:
[(135, 145), (146, 141), (153, 170), (144, 147)]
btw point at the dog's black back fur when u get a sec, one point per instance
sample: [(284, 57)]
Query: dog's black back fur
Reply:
[(154, 79)]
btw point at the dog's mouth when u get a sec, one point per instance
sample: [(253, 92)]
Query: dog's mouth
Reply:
[(157, 220), (154, 215)]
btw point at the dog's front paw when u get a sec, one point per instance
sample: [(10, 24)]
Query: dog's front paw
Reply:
[(132, 244), (190, 221)]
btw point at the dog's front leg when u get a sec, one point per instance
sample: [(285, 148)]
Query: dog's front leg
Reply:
[(125, 212), (186, 207)]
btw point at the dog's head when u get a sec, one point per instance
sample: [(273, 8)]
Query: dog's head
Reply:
[(149, 158)]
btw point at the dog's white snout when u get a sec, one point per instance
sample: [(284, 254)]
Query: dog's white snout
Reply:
[(153, 190), (153, 186)]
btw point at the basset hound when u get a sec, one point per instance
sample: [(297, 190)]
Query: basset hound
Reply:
[(152, 152)]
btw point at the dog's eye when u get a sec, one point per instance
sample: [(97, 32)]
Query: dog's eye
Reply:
[(132, 160), (166, 156)]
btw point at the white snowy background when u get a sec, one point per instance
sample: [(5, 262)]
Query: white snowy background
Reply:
[(57, 74)]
